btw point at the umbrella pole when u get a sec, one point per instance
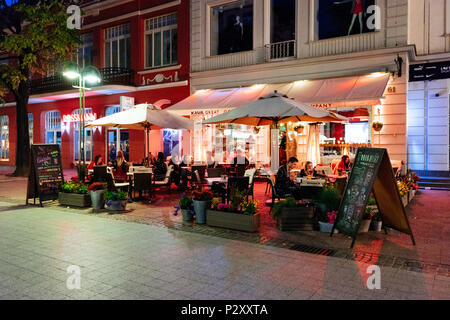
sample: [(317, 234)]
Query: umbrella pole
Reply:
[(275, 147)]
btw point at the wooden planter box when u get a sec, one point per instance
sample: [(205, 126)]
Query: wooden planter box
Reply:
[(230, 220), (296, 219), (74, 199), (405, 200), (412, 194)]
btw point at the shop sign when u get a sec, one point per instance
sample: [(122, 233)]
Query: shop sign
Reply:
[(322, 105), (429, 71), (126, 102), (159, 78), (76, 117), (202, 115)]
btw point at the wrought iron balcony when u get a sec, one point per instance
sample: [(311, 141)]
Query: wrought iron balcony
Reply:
[(281, 50), (110, 76)]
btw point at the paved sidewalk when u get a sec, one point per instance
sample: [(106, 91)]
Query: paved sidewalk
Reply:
[(123, 260)]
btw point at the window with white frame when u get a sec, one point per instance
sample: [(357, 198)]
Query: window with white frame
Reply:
[(342, 18), (84, 57), (88, 143), (231, 27), (118, 46), (4, 138), (30, 127), (53, 127), (161, 41)]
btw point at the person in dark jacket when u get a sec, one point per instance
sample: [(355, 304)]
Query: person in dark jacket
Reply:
[(160, 165), (283, 183)]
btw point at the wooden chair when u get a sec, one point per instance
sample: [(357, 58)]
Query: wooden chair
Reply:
[(142, 182), (167, 182), (251, 174), (216, 172), (99, 174), (114, 186), (241, 183), (275, 196)]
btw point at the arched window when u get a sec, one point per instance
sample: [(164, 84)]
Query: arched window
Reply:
[(4, 138), (53, 127)]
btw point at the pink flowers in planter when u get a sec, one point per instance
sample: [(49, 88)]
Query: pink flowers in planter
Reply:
[(332, 217), (223, 206)]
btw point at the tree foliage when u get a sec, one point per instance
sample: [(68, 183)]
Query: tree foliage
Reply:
[(35, 37)]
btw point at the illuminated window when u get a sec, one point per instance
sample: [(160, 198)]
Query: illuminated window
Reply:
[(53, 127), (87, 138), (30, 127), (4, 138), (161, 37)]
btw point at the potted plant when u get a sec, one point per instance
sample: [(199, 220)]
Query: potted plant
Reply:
[(327, 226), (243, 217), (97, 191), (293, 215), (367, 219), (404, 192), (74, 194), (299, 128), (377, 126), (202, 201), (116, 201), (186, 208)]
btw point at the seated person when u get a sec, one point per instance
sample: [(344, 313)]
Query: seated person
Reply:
[(149, 160), (185, 174), (98, 161), (120, 167), (308, 170), (283, 183), (240, 159), (344, 166), (176, 170), (160, 166)]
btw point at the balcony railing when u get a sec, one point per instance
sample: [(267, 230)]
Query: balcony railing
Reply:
[(110, 76), (281, 50)]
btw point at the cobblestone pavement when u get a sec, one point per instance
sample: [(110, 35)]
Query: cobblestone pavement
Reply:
[(125, 260)]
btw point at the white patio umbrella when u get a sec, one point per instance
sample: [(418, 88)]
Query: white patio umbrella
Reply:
[(144, 117), (274, 109)]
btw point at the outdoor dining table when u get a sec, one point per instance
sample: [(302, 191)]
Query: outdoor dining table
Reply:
[(210, 181)]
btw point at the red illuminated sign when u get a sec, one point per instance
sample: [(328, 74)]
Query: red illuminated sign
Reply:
[(76, 117)]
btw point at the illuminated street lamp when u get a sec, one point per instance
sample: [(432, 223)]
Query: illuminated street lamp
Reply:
[(91, 75)]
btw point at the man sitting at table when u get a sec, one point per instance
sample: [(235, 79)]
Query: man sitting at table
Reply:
[(283, 183), (308, 170)]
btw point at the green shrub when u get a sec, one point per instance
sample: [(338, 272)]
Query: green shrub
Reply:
[(185, 203), (277, 207), (116, 196)]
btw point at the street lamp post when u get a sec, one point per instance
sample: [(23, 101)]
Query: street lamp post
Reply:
[(92, 76)]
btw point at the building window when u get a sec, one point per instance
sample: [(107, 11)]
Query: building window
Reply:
[(231, 27), (342, 18), (117, 47), (4, 138), (30, 127), (116, 139), (87, 138), (84, 57), (53, 127), (161, 37), (282, 20)]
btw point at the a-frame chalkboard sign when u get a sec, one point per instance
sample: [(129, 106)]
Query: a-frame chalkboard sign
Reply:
[(372, 171), (46, 175)]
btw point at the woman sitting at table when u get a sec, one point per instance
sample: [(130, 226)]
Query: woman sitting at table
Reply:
[(283, 183), (176, 170), (120, 167), (343, 166), (98, 161), (308, 170)]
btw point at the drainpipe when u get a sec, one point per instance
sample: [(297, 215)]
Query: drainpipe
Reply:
[(425, 125)]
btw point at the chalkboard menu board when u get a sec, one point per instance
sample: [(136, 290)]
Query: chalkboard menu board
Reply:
[(46, 175), (372, 171), (359, 188)]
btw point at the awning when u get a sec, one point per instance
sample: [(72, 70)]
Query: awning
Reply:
[(346, 91)]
